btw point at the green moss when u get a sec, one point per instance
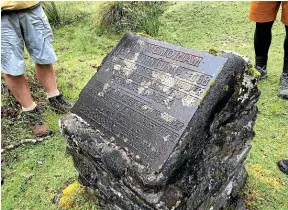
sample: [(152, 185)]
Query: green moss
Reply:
[(238, 76), (220, 175), (213, 52), (252, 71), (204, 95), (144, 35), (213, 83), (76, 196), (226, 87), (208, 204)]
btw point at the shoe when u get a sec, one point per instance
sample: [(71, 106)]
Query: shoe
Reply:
[(59, 104), (262, 71), (34, 120), (283, 166), (283, 90)]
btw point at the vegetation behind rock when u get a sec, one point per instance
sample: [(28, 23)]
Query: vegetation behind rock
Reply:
[(135, 16)]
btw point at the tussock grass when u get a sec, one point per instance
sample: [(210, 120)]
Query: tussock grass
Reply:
[(63, 13), (136, 16)]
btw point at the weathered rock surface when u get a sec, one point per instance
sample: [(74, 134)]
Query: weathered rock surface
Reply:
[(204, 168)]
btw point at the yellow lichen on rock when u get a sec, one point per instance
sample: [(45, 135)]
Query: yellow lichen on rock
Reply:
[(66, 200)]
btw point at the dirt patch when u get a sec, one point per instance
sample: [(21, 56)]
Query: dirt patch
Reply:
[(9, 112), (13, 128)]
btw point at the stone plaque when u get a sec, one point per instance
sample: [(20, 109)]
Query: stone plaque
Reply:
[(145, 94)]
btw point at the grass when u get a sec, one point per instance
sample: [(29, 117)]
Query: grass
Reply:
[(135, 16), (34, 174)]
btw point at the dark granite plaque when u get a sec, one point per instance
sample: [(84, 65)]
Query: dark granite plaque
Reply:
[(145, 94)]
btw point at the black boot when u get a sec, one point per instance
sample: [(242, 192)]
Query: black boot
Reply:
[(59, 104), (283, 166), (283, 90)]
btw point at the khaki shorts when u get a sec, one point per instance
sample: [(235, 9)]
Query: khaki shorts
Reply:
[(266, 11), (31, 27)]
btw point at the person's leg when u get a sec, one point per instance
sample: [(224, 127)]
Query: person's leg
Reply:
[(285, 64), (283, 89), (38, 39), (264, 14), (12, 60), (262, 41), (20, 89), (13, 67), (46, 76)]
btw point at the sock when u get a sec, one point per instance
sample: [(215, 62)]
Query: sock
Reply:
[(51, 95), (30, 108), (285, 66), (261, 61)]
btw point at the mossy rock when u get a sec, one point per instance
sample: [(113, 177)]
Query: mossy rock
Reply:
[(251, 70), (76, 196), (213, 52)]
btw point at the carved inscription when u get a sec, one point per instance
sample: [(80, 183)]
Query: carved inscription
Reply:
[(145, 94), (167, 53)]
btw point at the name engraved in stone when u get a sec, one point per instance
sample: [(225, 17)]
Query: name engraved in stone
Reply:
[(145, 94), (165, 52), (191, 76)]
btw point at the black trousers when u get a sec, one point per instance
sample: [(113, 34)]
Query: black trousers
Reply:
[(262, 41)]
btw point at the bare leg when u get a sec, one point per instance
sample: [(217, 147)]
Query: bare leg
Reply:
[(20, 89), (46, 76)]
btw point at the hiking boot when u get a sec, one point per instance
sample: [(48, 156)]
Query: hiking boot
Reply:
[(283, 90), (34, 120), (59, 104), (283, 166), (262, 71)]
